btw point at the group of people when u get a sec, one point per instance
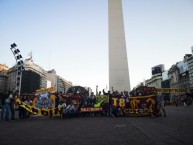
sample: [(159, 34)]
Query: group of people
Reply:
[(70, 108), (23, 113), (67, 107), (185, 99)]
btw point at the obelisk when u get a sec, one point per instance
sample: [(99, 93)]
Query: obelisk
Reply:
[(118, 63)]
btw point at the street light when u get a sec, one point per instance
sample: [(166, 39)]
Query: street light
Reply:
[(13, 45), (20, 66)]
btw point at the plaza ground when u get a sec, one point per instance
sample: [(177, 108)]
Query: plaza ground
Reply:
[(175, 129)]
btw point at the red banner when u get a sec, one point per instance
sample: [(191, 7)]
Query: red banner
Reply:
[(137, 106)]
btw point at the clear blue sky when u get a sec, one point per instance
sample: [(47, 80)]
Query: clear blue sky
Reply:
[(74, 33)]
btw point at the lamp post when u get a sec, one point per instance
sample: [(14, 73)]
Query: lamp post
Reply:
[(20, 67), (64, 88), (62, 85)]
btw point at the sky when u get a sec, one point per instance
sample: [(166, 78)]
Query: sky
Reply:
[(71, 36)]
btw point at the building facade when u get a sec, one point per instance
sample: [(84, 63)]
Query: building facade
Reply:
[(178, 76), (3, 68), (173, 76), (3, 77), (29, 65), (157, 78), (155, 81), (51, 76), (31, 70), (58, 82), (68, 85), (190, 71), (12, 76)]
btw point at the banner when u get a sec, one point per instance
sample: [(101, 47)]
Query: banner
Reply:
[(91, 109), (152, 90), (37, 111), (101, 99), (44, 90), (44, 100), (170, 90), (138, 106), (105, 98)]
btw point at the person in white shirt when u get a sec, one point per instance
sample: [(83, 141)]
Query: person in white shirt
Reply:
[(62, 109), (9, 105), (70, 108)]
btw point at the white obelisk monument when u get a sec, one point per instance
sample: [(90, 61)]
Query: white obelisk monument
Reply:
[(118, 64)]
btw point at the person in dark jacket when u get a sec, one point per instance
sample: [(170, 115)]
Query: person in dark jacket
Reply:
[(3, 96)]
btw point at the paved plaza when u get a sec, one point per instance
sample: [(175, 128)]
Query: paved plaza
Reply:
[(175, 129)]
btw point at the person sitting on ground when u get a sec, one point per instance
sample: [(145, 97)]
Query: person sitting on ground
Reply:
[(62, 109), (114, 111), (70, 109)]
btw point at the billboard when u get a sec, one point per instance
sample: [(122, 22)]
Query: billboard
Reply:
[(158, 69), (30, 82)]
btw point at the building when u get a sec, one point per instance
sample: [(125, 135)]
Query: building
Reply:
[(12, 76), (63, 85), (51, 76), (165, 84), (155, 81), (156, 78), (190, 70), (29, 84), (173, 76), (68, 84), (35, 77), (178, 76), (3, 77), (184, 81), (58, 82), (30, 65), (3, 68), (118, 63)]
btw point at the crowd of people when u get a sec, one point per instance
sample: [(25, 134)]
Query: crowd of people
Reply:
[(185, 99), (72, 103)]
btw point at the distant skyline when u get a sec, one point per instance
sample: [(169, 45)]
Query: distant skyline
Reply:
[(72, 36)]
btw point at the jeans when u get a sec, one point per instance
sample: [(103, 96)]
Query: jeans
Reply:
[(2, 112), (7, 109), (12, 111)]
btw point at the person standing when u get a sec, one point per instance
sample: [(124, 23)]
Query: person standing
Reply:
[(9, 105), (3, 97), (12, 104), (160, 104)]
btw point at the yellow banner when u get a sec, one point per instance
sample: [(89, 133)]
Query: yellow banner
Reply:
[(36, 111), (90, 109), (170, 90), (40, 91)]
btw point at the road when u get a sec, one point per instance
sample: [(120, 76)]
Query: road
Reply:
[(175, 129)]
